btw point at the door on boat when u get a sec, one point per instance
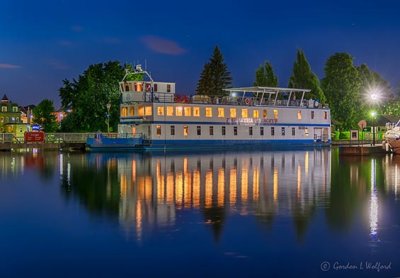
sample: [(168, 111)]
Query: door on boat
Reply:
[(325, 135), (317, 134)]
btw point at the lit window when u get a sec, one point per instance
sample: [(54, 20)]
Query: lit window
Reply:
[(170, 111), (299, 115), (138, 87), (196, 111), (172, 130), (272, 131), (261, 130), (275, 114), (198, 130), (140, 110), (232, 112), (255, 114), (283, 131), (124, 112), (208, 112), (158, 130), (235, 130), (185, 130), (306, 132), (15, 109), (211, 130), (245, 113), (4, 109), (179, 111), (149, 111), (223, 130), (188, 111), (293, 131), (312, 114), (265, 114), (221, 112), (250, 130), (160, 111), (325, 115), (131, 111)]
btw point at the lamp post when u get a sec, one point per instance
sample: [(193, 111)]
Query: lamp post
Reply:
[(108, 116), (373, 116)]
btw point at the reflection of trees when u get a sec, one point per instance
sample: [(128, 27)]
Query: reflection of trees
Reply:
[(93, 186), (215, 216), (351, 186)]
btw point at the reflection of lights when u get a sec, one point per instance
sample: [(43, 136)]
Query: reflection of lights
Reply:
[(395, 181), (221, 186), (170, 188), (61, 162), (298, 181), (245, 183), (232, 185), (187, 181), (69, 173), (373, 216), (256, 183), (306, 164), (209, 188), (178, 188), (196, 188), (276, 181)]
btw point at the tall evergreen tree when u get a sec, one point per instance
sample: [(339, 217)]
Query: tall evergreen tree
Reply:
[(302, 77), (341, 85), (265, 76), (215, 76)]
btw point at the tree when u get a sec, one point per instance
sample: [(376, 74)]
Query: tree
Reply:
[(303, 78), (215, 76), (43, 115), (341, 85), (265, 76), (88, 96)]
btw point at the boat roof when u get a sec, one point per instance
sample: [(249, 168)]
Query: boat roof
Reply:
[(261, 89)]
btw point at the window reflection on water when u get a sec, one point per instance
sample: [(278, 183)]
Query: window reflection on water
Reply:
[(146, 191)]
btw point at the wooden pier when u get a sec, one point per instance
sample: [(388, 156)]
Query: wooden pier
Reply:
[(361, 150)]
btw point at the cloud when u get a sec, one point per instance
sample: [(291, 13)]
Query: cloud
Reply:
[(9, 66), (162, 45)]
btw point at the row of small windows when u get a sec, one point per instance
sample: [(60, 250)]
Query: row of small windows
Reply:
[(9, 119), (208, 112), (141, 87), (223, 130), (5, 109)]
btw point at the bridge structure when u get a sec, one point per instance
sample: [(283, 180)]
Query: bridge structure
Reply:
[(52, 141)]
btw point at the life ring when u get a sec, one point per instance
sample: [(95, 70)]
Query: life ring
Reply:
[(247, 101)]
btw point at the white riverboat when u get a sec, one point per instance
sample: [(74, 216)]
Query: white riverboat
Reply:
[(151, 112)]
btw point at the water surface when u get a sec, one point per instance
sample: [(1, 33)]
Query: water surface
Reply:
[(229, 214)]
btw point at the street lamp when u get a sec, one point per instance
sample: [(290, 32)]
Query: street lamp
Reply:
[(108, 116), (373, 116)]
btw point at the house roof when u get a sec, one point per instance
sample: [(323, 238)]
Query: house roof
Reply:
[(5, 98)]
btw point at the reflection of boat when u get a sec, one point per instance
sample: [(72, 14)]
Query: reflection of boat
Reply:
[(392, 137), (157, 118)]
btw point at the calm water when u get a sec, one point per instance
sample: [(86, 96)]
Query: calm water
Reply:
[(232, 214)]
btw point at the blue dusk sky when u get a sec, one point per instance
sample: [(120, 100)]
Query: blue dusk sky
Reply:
[(43, 42)]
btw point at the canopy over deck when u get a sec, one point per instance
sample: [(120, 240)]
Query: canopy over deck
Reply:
[(272, 93)]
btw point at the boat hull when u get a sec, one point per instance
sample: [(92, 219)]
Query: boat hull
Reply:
[(101, 143)]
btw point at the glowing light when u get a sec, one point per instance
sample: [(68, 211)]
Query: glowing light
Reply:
[(374, 94), (373, 216)]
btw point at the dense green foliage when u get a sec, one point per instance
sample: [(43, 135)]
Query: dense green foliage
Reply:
[(43, 115), (265, 76), (88, 96), (303, 78), (215, 76), (342, 85)]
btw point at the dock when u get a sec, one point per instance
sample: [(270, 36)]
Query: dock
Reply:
[(362, 150)]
